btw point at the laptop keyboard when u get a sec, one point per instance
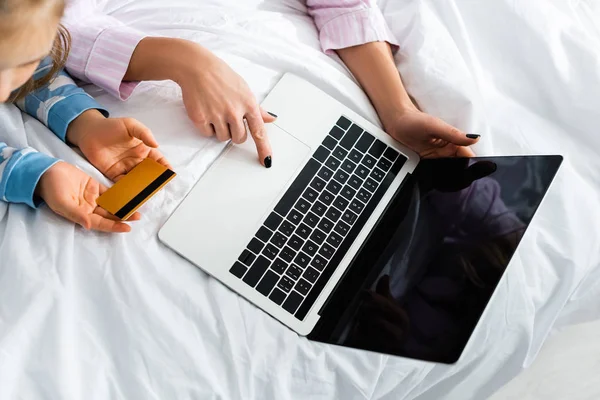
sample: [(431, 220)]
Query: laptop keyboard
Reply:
[(303, 240)]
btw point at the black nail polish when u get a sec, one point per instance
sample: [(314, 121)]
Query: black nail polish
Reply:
[(271, 114), (268, 162), (473, 136)]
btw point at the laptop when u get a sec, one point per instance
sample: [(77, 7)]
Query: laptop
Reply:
[(349, 238)]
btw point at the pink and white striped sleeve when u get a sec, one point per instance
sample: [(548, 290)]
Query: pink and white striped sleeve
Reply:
[(346, 23), (101, 47)]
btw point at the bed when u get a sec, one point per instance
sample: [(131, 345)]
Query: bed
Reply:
[(96, 316)]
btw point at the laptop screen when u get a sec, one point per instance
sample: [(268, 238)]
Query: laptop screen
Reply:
[(422, 279)]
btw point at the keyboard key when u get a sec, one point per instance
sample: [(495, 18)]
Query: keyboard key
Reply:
[(340, 153), (333, 214), (325, 225), (310, 248), (362, 171), (326, 198), (351, 137), (294, 272), (311, 274), (256, 271), (355, 182), (377, 148), (287, 254), (319, 263), (355, 155), (334, 186), (348, 193), (285, 284), (364, 195), (340, 203), (326, 251), (336, 132), (310, 195), (325, 173), (302, 259), (297, 187), (302, 205), (319, 208), (294, 217), (365, 142), (247, 257), (341, 176), (329, 142), (317, 184), (321, 154), (334, 239), (332, 163), (357, 206), (384, 164), (303, 231), (270, 251), (368, 161), (264, 234), (277, 296), (377, 174), (292, 302), (279, 266), (349, 217), (344, 123), (255, 246), (267, 283), (342, 228), (238, 269), (286, 228), (390, 154), (295, 242), (318, 236), (311, 219), (303, 286), (273, 221), (348, 166), (370, 185)]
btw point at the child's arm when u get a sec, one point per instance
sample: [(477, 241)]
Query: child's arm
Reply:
[(59, 103), (20, 172), (113, 145)]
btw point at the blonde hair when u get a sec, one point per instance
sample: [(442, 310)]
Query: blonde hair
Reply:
[(60, 49)]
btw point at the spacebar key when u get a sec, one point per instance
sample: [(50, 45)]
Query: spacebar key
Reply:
[(297, 187)]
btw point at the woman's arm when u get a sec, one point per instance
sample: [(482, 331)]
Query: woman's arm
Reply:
[(357, 31)]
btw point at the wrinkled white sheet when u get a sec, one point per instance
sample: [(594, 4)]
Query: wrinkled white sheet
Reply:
[(88, 315)]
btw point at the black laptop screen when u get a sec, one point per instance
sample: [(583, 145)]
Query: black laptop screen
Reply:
[(424, 276)]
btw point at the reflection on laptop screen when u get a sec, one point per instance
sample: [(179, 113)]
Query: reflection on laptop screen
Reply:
[(423, 278)]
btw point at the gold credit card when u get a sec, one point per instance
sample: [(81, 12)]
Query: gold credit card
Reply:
[(135, 188)]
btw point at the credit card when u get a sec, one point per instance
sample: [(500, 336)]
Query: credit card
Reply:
[(135, 188)]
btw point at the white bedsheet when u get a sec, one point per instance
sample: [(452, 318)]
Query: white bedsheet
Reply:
[(95, 316)]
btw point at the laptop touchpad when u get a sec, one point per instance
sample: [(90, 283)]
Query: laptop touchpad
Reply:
[(234, 197)]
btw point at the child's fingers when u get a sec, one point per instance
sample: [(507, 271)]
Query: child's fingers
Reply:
[(140, 131), (159, 158), (102, 224), (105, 214)]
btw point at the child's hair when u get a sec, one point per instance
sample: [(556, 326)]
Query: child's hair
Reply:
[(60, 49)]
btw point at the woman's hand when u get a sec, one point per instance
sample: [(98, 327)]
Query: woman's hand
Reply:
[(113, 145), (71, 193), (216, 98), (427, 135)]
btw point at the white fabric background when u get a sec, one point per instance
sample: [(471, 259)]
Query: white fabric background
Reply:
[(95, 316)]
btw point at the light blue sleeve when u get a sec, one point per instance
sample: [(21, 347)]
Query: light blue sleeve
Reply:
[(20, 172), (57, 104)]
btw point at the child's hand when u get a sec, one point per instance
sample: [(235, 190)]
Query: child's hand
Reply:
[(113, 145), (71, 193)]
